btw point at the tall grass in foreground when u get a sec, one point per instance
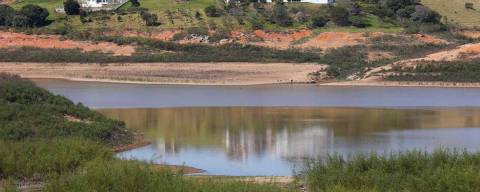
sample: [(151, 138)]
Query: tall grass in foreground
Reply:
[(129, 176), (441, 170), (41, 159)]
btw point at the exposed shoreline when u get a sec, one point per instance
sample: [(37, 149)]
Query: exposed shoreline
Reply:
[(205, 74)]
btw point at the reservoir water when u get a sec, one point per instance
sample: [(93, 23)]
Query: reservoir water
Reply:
[(272, 129)]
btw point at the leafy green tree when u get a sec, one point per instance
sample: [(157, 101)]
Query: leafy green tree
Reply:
[(280, 14), (135, 3), (72, 7), (6, 15), (32, 16)]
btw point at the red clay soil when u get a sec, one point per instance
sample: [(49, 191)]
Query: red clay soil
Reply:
[(16, 40), (281, 40), (470, 34), (428, 39), (329, 40)]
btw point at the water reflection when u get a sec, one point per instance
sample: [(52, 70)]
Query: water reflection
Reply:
[(273, 140)]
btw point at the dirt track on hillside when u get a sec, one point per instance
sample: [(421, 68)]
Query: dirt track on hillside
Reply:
[(169, 73)]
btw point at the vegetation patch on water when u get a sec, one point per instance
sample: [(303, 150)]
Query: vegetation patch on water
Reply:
[(442, 170)]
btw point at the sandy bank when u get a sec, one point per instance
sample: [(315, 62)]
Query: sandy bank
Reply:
[(169, 73), (379, 83)]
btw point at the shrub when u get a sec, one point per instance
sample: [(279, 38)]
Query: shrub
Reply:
[(469, 5), (150, 19), (319, 21), (280, 14), (135, 3), (72, 7), (359, 21), (339, 16), (31, 16), (6, 15), (212, 11)]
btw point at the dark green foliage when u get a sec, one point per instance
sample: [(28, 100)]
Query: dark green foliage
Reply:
[(31, 16), (319, 21), (150, 19), (280, 14), (135, 3), (440, 171), (359, 21), (345, 61), (212, 11), (42, 158), (339, 16), (72, 7), (31, 112), (425, 15), (453, 71), (6, 15)]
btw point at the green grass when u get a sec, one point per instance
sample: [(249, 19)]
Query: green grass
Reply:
[(454, 11), (441, 171), (127, 176), (41, 159)]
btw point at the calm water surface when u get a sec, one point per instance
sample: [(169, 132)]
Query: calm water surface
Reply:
[(271, 129)]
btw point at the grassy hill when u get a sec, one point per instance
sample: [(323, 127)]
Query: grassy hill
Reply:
[(454, 11)]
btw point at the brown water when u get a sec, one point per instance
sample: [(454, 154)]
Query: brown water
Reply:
[(271, 129)]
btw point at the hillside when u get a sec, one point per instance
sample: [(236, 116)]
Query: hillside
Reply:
[(454, 11)]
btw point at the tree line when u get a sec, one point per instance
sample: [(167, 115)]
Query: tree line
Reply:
[(28, 16)]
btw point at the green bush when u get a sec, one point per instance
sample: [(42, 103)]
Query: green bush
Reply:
[(31, 112), (212, 11), (72, 7), (319, 21), (31, 16)]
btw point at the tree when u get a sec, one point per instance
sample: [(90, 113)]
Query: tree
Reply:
[(319, 21), (33, 15), (135, 3), (150, 19), (425, 15), (340, 15), (280, 14), (6, 15), (212, 11), (72, 7)]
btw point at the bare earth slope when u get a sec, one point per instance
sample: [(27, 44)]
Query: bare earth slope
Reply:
[(169, 73)]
